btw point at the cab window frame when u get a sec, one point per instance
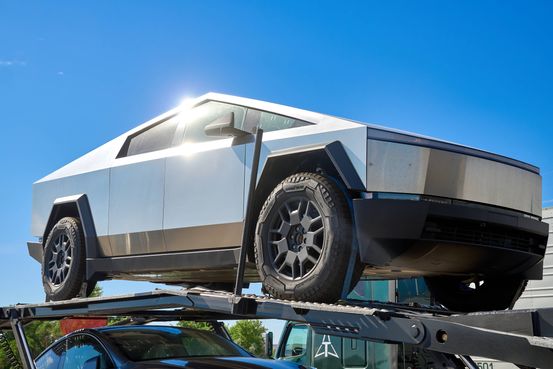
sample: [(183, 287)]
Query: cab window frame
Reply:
[(64, 343), (253, 118), (250, 123), (124, 151), (110, 362), (182, 129), (53, 347), (282, 349)]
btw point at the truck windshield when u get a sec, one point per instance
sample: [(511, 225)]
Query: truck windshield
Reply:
[(159, 343)]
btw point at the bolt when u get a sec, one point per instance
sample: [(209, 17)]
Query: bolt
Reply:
[(415, 331), (441, 336)]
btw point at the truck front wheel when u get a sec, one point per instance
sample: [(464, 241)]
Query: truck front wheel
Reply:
[(303, 240), (63, 264)]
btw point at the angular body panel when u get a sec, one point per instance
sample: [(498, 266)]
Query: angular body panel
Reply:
[(168, 198), (351, 137), (204, 186), (395, 167), (94, 184)]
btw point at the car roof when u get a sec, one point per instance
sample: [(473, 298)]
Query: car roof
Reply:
[(160, 328)]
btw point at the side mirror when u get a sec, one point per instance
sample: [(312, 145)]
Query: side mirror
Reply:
[(268, 344), (224, 126), (92, 363)]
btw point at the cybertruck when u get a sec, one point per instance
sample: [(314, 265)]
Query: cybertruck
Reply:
[(335, 199)]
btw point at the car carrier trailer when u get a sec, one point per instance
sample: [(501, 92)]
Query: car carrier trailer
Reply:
[(521, 337)]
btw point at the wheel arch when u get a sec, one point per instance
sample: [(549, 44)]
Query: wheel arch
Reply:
[(330, 159), (76, 206)]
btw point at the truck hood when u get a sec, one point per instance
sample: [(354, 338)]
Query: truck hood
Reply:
[(392, 135), (401, 162)]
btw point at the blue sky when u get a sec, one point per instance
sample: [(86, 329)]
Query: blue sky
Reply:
[(75, 74)]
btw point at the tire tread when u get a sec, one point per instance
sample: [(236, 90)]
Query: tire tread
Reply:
[(331, 280)]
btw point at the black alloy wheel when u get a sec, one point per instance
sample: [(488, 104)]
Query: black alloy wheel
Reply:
[(63, 264), (296, 237), (303, 240)]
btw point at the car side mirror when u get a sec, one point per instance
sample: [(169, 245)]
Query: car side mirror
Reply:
[(268, 344), (92, 363), (224, 126)]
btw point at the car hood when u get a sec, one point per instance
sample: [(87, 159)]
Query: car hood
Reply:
[(215, 363)]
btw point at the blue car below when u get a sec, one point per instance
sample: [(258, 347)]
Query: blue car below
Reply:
[(149, 347)]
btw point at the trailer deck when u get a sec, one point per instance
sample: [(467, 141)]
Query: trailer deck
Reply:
[(521, 337)]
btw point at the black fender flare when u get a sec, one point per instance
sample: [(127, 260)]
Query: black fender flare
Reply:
[(334, 159), (334, 152), (76, 205)]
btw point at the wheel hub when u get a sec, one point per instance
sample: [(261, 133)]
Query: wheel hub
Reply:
[(59, 260), (296, 238)]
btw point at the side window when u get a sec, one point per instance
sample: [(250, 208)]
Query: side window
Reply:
[(82, 348), (200, 116), (271, 122), (157, 137), (367, 290), (413, 290), (296, 342), (51, 358)]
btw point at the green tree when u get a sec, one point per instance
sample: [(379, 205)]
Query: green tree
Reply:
[(39, 334), (249, 335), (97, 291), (196, 325)]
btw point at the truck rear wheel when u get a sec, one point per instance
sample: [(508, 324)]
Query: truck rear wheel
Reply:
[(63, 263), (468, 295), (303, 240)]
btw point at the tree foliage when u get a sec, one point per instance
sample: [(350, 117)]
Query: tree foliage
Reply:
[(249, 335), (195, 325), (97, 291), (246, 333), (39, 334), (4, 362)]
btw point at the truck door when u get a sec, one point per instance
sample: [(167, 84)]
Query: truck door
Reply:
[(337, 352), (354, 353), (204, 183), (327, 352), (136, 190)]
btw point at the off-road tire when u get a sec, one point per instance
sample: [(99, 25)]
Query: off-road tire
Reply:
[(325, 281), (493, 294), (73, 280)]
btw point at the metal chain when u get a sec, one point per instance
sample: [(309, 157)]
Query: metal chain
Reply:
[(12, 359)]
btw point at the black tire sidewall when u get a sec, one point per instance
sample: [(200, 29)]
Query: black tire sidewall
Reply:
[(72, 284), (325, 281)]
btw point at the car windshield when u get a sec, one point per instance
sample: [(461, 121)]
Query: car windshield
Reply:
[(158, 343)]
